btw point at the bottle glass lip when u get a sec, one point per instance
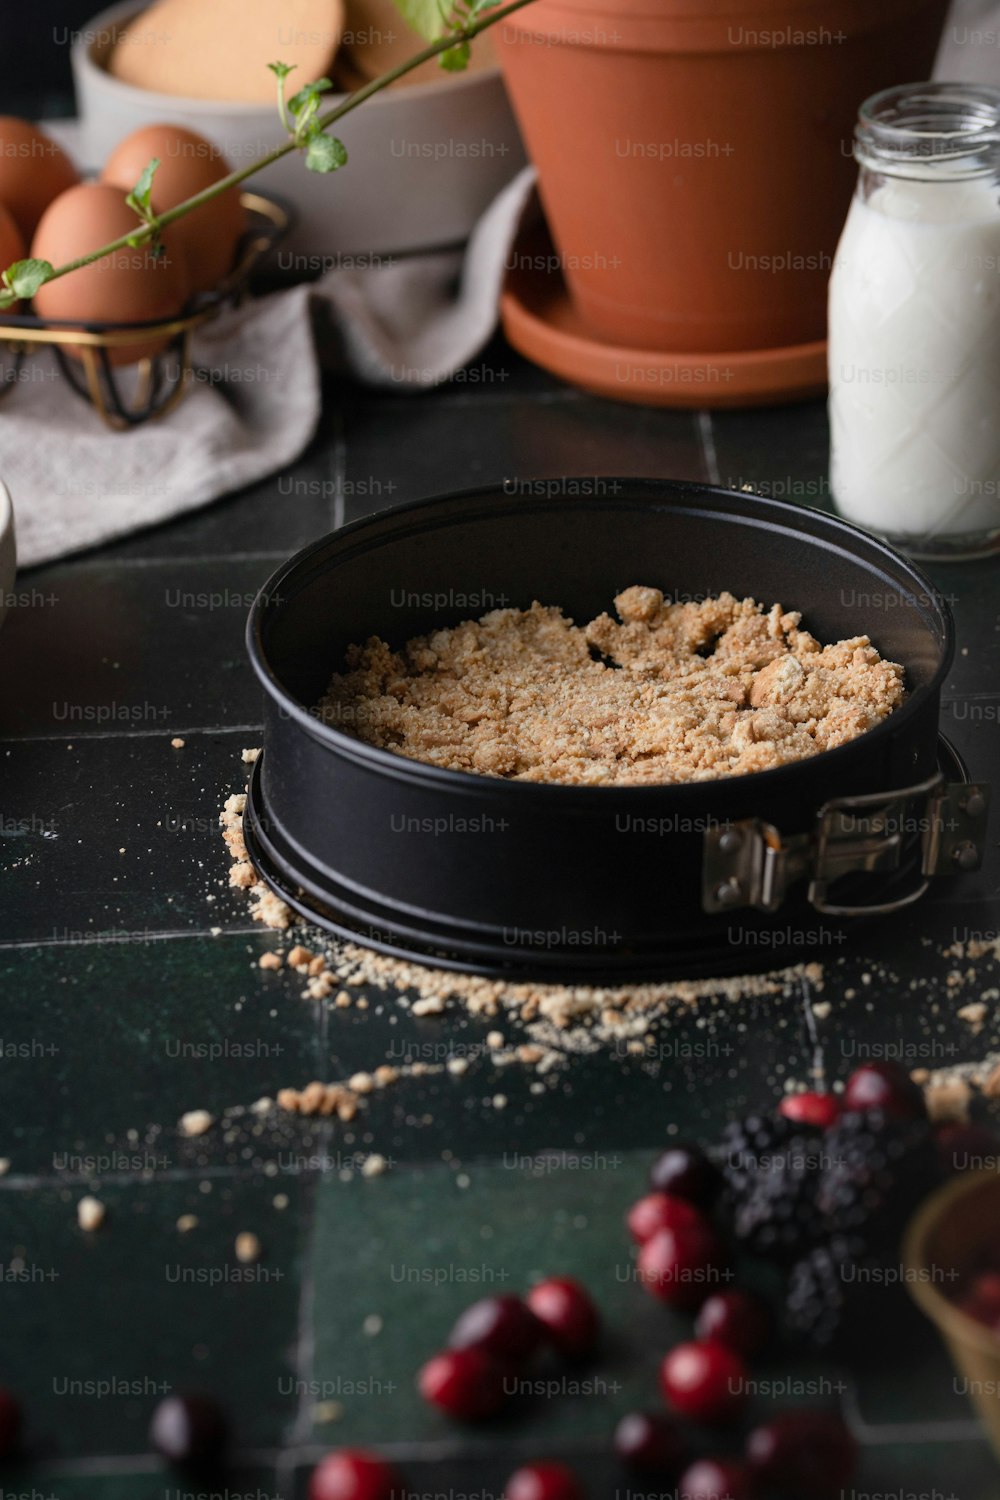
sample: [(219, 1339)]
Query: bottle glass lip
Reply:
[(930, 130)]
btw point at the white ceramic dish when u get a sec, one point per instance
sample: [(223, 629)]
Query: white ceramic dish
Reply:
[(424, 162), (8, 550)]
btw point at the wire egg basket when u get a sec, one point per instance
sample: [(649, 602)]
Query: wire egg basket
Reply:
[(125, 395)]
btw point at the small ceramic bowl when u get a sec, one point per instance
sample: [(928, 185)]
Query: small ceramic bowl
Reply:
[(941, 1244), (423, 162), (8, 549)]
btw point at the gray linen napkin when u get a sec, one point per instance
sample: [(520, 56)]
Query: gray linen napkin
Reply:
[(254, 400)]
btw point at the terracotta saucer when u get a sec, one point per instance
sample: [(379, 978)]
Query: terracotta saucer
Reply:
[(540, 321)]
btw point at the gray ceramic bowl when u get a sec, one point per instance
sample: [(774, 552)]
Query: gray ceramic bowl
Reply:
[(424, 162)]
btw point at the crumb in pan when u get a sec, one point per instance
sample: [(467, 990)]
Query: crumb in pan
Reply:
[(664, 693)]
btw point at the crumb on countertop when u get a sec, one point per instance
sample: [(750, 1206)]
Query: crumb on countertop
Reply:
[(90, 1213), (248, 1248), (195, 1122)]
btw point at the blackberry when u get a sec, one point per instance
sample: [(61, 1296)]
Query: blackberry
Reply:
[(839, 1293), (770, 1166), (877, 1170), (821, 1296)]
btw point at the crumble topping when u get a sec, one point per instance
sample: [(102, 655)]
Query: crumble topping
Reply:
[(664, 693)]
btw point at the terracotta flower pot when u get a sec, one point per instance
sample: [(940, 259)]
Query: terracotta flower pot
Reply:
[(695, 155)]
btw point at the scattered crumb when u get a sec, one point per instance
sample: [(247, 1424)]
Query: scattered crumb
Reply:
[(327, 1411), (270, 961), (372, 1325), (975, 1015), (266, 907), (821, 1009), (374, 1165), (90, 1213), (249, 756), (430, 1005), (280, 1201), (948, 1102), (177, 743), (494, 1040), (187, 1222), (196, 1122), (242, 875), (248, 1248), (4, 1165), (320, 1099)]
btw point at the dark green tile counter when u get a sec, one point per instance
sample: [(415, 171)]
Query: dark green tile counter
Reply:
[(131, 994)]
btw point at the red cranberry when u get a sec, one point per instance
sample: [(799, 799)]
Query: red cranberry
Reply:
[(803, 1453), (982, 1299), (661, 1211), (684, 1171), (704, 1381), (885, 1086), (714, 1479), (680, 1266), (502, 1326), (650, 1441), (811, 1109), (10, 1423), (352, 1474), (737, 1319), (543, 1482), (465, 1383), (967, 1148), (568, 1313), (189, 1430)]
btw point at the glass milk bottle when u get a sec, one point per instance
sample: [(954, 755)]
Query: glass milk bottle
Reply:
[(914, 323)]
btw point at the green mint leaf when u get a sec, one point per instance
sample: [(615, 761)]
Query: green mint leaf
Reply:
[(477, 7), (425, 17), (325, 154), (456, 58), (24, 277), (281, 70), (309, 96), (140, 199)]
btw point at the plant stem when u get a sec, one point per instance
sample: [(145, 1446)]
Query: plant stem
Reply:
[(282, 106), (144, 232)]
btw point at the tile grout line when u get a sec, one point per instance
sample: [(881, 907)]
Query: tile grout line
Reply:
[(708, 453), (436, 1450), (305, 1343), (96, 941), (176, 731), (305, 1340)]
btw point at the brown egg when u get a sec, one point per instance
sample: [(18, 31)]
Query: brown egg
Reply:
[(207, 238), (33, 172), (12, 248), (129, 286)]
